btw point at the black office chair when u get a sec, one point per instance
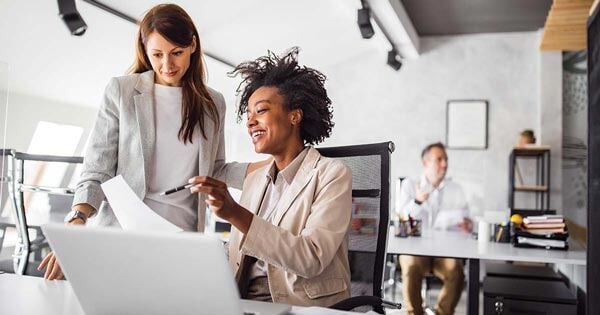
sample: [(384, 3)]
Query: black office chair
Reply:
[(370, 165), (26, 246)]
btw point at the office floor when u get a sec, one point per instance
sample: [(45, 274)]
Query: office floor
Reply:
[(461, 308)]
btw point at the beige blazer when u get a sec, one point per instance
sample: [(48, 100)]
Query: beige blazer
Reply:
[(305, 245), (123, 140)]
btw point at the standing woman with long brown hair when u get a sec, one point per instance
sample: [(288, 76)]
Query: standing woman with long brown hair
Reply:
[(157, 127)]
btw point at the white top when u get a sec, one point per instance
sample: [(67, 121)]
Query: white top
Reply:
[(278, 184), (444, 209), (173, 162)]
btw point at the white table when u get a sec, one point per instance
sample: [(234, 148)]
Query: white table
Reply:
[(26, 295), (463, 245)]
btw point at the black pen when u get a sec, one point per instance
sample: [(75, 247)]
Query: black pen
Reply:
[(176, 189)]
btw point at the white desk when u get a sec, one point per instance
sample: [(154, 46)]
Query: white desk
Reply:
[(25, 295), (462, 245), (31, 295)]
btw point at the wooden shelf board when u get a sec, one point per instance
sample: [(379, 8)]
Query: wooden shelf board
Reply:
[(531, 188)]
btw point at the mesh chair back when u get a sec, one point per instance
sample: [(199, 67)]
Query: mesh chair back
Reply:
[(370, 165)]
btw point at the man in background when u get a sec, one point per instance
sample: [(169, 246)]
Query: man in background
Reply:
[(439, 203)]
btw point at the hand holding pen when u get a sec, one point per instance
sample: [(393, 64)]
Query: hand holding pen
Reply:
[(221, 203)]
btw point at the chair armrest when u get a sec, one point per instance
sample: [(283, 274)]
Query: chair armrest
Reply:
[(49, 190), (356, 301)]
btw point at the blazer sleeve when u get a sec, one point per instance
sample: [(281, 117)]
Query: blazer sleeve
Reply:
[(232, 173), (309, 253), (100, 161)]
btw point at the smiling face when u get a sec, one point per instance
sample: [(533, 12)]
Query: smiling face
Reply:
[(169, 61), (272, 128)]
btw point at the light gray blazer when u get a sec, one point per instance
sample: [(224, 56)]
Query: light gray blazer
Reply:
[(123, 140)]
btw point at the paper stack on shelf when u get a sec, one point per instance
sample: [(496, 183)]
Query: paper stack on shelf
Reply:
[(545, 231)]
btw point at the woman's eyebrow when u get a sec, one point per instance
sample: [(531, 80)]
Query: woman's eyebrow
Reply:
[(256, 104), (262, 101), (155, 49)]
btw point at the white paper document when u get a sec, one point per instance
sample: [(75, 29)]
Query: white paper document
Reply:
[(448, 219), (132, 213)]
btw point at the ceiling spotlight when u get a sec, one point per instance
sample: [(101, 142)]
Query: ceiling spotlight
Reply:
[(69, 14), (394, 60), (364, 21)]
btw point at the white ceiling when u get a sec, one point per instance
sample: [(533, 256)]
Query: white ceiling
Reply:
[(46, 61)]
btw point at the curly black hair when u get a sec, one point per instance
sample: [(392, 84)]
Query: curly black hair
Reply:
[(301, 87)]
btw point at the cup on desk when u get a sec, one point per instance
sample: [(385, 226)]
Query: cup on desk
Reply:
[(415, 227), (400, 228), (404, 228), (411, 227), (501, 233), (483, 232)]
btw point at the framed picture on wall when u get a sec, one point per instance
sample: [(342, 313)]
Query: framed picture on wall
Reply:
[(466, 124)]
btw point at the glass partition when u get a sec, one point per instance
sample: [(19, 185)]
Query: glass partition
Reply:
[(4, 88)]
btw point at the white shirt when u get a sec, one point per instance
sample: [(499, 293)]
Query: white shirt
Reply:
[(445, 207), (278, 184), (172, 162)]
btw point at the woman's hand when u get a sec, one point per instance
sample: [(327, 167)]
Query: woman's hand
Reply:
[(221, 202), (466, 225), (421, 194), (53, 270)]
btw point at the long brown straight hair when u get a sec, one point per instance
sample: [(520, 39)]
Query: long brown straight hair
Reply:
[(175, 25)]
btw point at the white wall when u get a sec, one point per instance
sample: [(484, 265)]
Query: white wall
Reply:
[(22, 116), (374, 103), (25, 111)]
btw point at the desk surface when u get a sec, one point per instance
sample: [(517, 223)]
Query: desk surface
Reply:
[(31, 295), (462, 245)]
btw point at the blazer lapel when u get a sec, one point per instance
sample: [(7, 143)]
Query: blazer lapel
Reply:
[(302, 178), (257, 195), (144, 110)]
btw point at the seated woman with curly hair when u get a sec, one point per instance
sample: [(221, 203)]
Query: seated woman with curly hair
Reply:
[(288, 242)]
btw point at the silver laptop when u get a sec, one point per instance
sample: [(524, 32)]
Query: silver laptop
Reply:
[(113, 271)]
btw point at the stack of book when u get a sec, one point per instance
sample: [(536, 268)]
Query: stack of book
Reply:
[(545, 231)]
